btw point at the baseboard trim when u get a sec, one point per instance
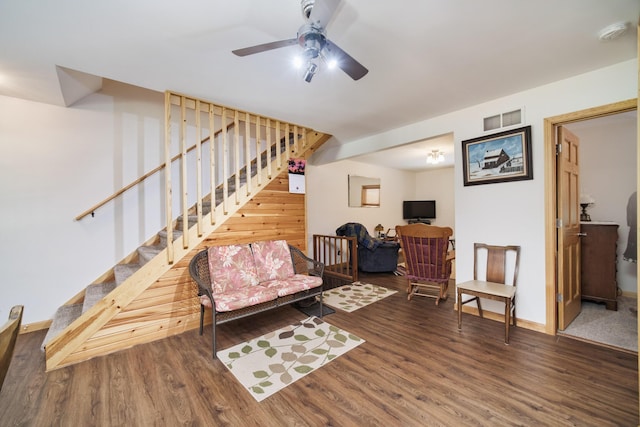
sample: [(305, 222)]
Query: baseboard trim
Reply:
[(522, 323)]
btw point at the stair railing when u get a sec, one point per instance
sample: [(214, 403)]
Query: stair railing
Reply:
[(239, 148), (238, 139), (92, 209)]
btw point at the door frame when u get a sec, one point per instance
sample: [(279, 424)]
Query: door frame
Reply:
[(550, 189)]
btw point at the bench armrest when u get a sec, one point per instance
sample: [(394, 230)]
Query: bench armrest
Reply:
[(303, 264), (199, 271)]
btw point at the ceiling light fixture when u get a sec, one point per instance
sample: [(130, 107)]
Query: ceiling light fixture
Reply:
[(332, 64), (318, 51), (310, 72), (435, 157), (298, 61), (313, 39)]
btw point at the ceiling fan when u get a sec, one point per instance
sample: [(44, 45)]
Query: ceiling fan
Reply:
[(312, 37)]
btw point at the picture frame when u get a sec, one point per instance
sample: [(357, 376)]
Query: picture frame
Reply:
[(500, 157)]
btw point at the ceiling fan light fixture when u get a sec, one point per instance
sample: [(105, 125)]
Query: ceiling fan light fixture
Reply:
[(312, 38), (329, 59), (298, 61), (310, 72), (312, 49)]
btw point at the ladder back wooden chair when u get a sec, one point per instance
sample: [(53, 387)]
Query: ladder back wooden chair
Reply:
[(495, 280), (427, 260)]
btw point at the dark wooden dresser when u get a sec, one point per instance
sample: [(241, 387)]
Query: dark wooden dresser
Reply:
[(598, 262)]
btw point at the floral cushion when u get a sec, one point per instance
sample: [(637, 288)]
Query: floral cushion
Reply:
[(231, 268), (273, 260), (240, 298), (296, 283)]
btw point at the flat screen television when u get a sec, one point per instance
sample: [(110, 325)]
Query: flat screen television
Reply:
[(419, 209)]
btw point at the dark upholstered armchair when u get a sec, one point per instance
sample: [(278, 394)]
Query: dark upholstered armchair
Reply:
[(374, 255)]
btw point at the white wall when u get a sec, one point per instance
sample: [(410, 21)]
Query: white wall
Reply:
[(513, 212), (608, 174), (438, 185), (56, 163), (328, 195)]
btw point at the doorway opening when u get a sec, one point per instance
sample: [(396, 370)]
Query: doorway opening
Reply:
[(553, 268)]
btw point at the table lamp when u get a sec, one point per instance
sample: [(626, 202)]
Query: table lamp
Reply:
[(585, 201)]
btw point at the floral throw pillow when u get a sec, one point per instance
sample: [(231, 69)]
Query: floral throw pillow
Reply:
[(273, 260), (231, 268)]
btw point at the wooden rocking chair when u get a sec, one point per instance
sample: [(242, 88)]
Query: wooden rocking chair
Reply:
[(427, 261)]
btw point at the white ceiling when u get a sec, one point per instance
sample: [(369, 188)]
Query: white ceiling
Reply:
[(413, 157), (426, 57)]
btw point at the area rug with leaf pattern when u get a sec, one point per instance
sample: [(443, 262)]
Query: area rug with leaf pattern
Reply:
[(269, 363), (354, 296)]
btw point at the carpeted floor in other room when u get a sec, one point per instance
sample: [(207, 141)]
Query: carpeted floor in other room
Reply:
[(614, 328)]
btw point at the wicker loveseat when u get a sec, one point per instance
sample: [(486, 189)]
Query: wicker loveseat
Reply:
[(236, 281)]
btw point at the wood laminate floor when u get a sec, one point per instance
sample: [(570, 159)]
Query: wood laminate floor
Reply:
[(415, 369)]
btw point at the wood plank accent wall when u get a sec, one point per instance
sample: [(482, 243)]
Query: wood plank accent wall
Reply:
[(170, 306)]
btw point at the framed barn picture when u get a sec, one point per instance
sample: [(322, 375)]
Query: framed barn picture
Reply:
[(501, 157)]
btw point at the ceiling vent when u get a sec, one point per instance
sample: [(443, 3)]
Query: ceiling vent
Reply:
[(508, 119)]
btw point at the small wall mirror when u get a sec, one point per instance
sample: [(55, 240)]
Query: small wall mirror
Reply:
[(364, 192)]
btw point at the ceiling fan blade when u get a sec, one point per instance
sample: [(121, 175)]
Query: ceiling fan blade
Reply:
[(322, 11), (345, 62), (264, 47)]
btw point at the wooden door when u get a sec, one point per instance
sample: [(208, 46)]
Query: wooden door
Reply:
[(568, 198)]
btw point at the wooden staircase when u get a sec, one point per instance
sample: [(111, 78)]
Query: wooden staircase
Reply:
[(149, 295)]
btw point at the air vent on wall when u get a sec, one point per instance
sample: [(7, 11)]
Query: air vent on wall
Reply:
[(510, 118)]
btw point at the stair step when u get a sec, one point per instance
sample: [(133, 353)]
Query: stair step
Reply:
[(124, 271), (64, 316), (193, 219), (163, 236), (95, 293), (147, 253)]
